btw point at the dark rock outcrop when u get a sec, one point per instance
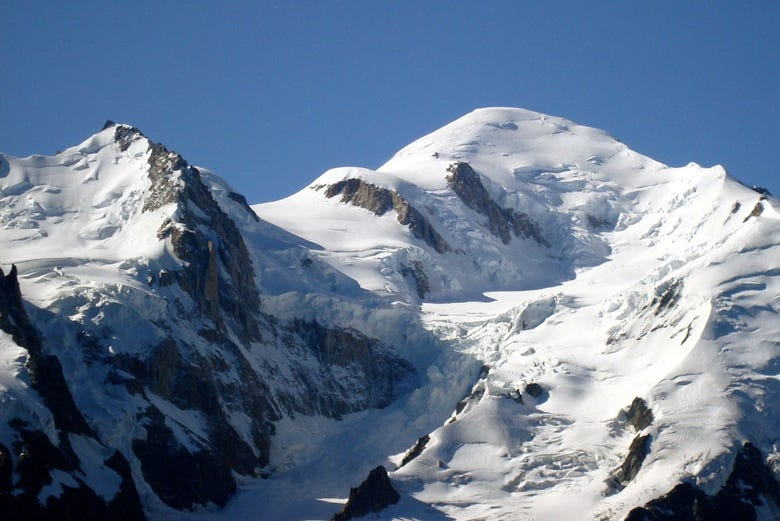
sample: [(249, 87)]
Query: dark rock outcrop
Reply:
[(667, 295), (13, 317), (241, 200), (502, 222), (45, 370), (355, 371), (191, 381), (416, 450), (757, 210), (373, 495), (751, 484), (381, 200), (418, 277), (476, 394), (341, 371), (638, 414), (36, 455), (217, 273), (180, 477), (534, 389), (637, 452)]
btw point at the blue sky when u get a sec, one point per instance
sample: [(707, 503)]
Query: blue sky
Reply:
[(271, 94)]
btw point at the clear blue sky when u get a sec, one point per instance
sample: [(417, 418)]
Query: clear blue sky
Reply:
[(271, 94)]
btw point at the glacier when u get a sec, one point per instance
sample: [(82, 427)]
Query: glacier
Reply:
[(503, 295)]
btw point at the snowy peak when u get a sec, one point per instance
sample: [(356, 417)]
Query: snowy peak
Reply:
[(519, 314), (543, 189), (120, 198), (142, 276), (500, 198), (505, 143)]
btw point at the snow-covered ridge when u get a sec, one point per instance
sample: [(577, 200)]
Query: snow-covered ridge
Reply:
[(551, 321), (621, 304), (139, 270)]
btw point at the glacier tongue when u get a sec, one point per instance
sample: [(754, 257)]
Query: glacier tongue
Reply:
[(552, 321)]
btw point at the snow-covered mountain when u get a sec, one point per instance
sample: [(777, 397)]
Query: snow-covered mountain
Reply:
[(518, 316)]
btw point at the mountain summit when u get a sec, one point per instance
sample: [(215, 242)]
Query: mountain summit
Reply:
[(518, 316)]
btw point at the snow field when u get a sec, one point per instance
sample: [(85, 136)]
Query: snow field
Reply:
[(659, 283)]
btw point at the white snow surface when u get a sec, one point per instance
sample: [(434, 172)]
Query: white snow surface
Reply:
[(658, 282), (582, 321)]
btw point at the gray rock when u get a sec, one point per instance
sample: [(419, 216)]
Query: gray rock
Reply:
[(757, 210), (35, 453), (416, 450), (218, 274), (375, 376), (502, 222), (638, 414), (418, 278), (534, 389), (667, 295), (381, 200), (373, 495), (750, 485), (37, 457), (637, 452), (181, 478)]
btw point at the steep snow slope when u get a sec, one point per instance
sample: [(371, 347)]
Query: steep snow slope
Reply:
[(685, 320), (654, 282), (143, 334), (565, 184), (555, 323)]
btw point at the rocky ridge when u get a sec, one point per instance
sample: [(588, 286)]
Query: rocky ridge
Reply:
[(380, 200), (224, 389), (193, 378), (33, 463)]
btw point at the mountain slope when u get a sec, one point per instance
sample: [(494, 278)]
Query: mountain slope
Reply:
[(517, 315), (144, 298), (648, 282)]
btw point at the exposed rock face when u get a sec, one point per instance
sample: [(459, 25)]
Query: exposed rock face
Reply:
[(757, 210), (351, 372), (13, 317), (373, 495), (240, 199), (381, 200), (416, 450), (667, 295), (356, 372), (418, 278), (189, 371), (751, 484), (534, 389), (638, 414), (45, 370), (502, 222), (637, 452), (206, 386), (180, 477), (340, 371), (37, 457), (216, 274)]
